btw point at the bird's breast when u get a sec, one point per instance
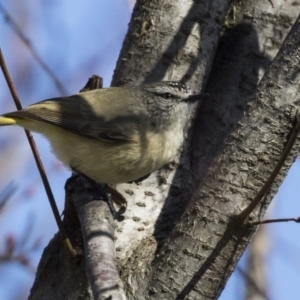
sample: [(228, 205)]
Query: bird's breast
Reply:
[(115, 162)]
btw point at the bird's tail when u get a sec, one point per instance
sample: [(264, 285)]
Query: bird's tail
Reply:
[(7, 121)]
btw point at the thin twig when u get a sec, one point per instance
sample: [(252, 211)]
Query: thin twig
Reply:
[(34, 53), (248, 210), (6, 194), (38, 161), (252, 281), (296, 220)]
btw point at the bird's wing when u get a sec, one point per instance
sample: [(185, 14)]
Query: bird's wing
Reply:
[(75, 114)]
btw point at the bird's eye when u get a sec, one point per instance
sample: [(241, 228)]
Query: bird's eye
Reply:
[(167, 95)]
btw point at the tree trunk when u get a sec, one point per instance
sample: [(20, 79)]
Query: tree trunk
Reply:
[(178, 239)]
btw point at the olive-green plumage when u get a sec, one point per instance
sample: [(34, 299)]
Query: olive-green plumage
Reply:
[(112, 135)]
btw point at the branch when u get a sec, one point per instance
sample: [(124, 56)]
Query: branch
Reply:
[(38, 161), (97, 227), (296, 220), (210, 241), (36, 56)]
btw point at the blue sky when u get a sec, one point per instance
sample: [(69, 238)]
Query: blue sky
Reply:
[(78, 40)]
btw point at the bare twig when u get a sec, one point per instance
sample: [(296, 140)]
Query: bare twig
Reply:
[(17, 251), (248, 210), (296, 220), (261, 293), (38, 161), (34, 53)]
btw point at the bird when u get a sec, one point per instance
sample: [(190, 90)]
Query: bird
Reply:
[(112, 135)]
